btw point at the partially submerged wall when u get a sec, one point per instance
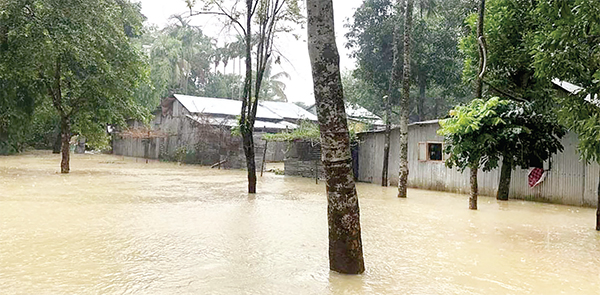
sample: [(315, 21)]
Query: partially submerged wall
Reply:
[(303, 158), (187, 141), (569, 181)]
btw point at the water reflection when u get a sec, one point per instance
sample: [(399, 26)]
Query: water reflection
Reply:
[(117, 226)]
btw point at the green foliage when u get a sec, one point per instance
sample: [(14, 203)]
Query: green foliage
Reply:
[(360, 92), (77, 54), (435, 59), (566, 45), (480, 133), (307, 131), (508, 27)]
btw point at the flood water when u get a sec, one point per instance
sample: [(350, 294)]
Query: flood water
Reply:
[(117, 226)]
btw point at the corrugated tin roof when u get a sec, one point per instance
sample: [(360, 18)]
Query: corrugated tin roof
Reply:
[(220, 106), (436, 121), (574, 89), (356, 111), (288, 110), (233, 122)]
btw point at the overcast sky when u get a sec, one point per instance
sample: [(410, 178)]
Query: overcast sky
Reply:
[(295, 63)]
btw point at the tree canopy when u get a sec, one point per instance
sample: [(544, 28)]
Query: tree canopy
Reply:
[(435, 60), (482, 132), (80, 56)]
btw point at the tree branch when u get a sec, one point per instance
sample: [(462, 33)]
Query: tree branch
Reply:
[(520, 99)]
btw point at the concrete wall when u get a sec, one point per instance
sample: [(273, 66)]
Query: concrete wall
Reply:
[(569, 181), (303, 158)]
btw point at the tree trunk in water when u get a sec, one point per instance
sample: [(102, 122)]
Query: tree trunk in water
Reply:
[(345, 245), (474, 189), (598, 208), (65, 128), (422, 95), (246, 119), (248, 141), (404, 103), (478, 94), (386, 149), (504, 184), (391, 96)]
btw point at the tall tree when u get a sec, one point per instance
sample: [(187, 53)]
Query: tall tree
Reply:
[(392, 95), (404, 103), (509, 68), (345, 245), (84, 58), (474, 165), (271, 17), (435, 58), (479, 134)]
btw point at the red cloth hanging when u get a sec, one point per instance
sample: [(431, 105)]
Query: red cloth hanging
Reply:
[(536, 176)]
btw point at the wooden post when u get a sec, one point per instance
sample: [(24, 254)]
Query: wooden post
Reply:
[(262, 167), (147, 150)]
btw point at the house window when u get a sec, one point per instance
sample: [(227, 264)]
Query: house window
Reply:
[(431, 151), (435, 151)]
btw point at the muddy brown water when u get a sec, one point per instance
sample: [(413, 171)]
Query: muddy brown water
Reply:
[(117, 226)]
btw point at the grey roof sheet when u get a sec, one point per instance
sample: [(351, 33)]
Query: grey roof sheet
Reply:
[(233, 122), (288, 110), (574, 89), (220, 106)]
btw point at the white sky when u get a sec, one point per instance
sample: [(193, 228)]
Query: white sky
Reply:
[(300, 87)]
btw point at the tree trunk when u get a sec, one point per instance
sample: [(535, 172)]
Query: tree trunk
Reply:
[(598, 208), (404, 103), (474, 189), (246, 120), (65, 128), (478, 94), (345, 245), (504, 184), (391, 96), (248, 141), (386, 144), (422, 95)]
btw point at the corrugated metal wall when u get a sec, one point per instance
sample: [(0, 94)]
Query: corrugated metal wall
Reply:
[(569, 181)]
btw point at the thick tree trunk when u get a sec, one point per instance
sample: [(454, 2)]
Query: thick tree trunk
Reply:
[(404, 103), (598, 208), (392, 95), (345, 245), (474, 189), (65, 128), (504, 184)]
